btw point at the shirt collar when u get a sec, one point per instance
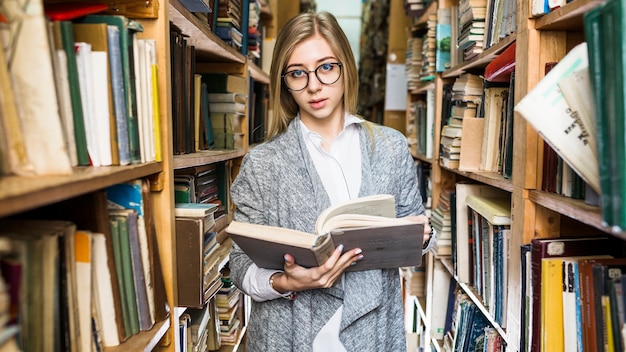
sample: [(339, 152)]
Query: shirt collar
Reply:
[(348, 120)]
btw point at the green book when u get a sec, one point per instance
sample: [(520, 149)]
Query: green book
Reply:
[(114, 225), (67, 33), (125, 269)]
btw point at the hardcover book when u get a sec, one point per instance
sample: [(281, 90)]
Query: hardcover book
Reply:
[(368, 223)]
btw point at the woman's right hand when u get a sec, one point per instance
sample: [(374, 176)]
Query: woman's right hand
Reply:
[(297, 278)]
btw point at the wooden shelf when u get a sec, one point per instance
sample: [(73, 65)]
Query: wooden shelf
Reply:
[(421, 157), (206, 157), (423, 87), (258, 74), (573, 208), (209, 47), (18, 194), (490, 178), (480, 61), (567, 17), (144, 340)]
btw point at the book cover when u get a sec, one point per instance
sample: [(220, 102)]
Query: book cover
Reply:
[(124, 269), (190, 261), (14, 156), (501, 68), (104, 302), (225, 83), (390, 246), (32, 77), (62, 82), (497, 211), (552, 304), (194, 209), (83, 270), (444, 41), (118, 94), (387, 242), (563, 129)]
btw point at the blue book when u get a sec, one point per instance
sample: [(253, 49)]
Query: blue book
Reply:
[(118, 92)]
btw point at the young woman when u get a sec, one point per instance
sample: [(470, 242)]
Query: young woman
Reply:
[(319, 153)]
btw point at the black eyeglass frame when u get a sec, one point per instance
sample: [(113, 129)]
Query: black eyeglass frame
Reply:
[(308, 75)]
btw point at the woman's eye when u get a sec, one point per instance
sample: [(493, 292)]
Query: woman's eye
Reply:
[(326, 67), (296, 73)]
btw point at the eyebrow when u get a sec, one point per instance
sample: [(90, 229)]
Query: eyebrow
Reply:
[(318, 61)]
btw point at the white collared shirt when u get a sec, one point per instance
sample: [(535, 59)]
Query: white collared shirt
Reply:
[(340, 172)]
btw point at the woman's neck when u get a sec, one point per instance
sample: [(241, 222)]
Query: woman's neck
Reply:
[(328, 128)]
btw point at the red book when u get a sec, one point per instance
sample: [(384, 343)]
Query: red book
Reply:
[(499, 70), (67, 11)]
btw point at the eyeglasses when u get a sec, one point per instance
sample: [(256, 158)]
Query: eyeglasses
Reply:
[(327, 73)]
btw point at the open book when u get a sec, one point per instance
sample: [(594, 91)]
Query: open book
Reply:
[(368, 223)]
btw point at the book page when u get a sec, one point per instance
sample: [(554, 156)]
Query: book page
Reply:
[(343, 221), (272, 234), (378, 205)]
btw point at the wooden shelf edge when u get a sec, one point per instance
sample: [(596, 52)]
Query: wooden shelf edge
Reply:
[(421, 157), (258, 74), (574, 208), (423, 87), (18, 194), (206, 157), (482, 59), (568, 16), (206, 42), (490, 178), (144, 340)]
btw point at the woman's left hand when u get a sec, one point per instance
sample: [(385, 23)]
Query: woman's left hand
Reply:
[(422, 219)]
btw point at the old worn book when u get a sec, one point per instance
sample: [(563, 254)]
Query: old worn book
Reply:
[(368, 223)]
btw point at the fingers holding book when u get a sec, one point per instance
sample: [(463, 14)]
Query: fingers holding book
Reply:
[(298, 278)]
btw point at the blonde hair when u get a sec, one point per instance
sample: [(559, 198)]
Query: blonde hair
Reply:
[(295, 31)]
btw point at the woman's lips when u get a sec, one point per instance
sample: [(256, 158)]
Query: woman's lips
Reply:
[(317, 104)]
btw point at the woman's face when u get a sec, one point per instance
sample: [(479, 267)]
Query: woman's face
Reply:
[(317, 100)]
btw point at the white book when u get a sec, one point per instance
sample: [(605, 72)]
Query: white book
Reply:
[(65, 103), (102, 117), (569, 306), (84, 65), (82, 267), (562, 129), (30, 67), (104, 304), (463, 190)]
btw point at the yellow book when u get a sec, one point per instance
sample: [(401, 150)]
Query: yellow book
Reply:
[(551, 305), (552, 336), (609, 343)]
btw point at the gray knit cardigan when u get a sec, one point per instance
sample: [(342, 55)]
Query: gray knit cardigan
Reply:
[(278, 185)]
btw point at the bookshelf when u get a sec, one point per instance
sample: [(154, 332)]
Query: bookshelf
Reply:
[(22, 195), (535, 213)]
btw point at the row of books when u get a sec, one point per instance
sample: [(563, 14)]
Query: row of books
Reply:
[(572, 299), (90, 276), (90, 99), (480, 24), (481, 111), (479, 222)]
